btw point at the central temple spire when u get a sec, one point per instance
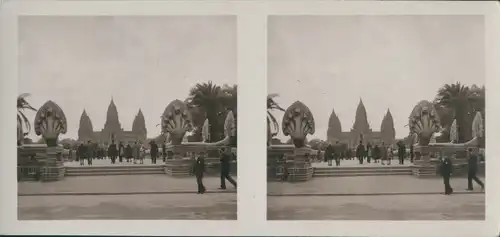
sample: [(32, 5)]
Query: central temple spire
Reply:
[(361, 119), (112, 121)]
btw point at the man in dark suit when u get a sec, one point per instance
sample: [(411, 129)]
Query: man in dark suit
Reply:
[(121, 152), (154, 151), (164, 151), (401, 152), (360, 152), (472, 168), (446, 169), (199, 170), (329, 154), (225, 163), (112, 151), (90, 152)]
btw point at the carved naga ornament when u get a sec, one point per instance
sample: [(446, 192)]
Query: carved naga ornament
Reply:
[(298, 122), (478, 126), (50, 121), (205, 131), (424, 122), (230, 125), (176, 121)]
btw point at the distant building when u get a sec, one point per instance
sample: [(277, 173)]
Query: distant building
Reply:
[(112, 128), (361, 130)]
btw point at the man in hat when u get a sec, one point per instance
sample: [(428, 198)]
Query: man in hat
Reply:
[(446, 169), (225, 163), (199, 170), (472, 168)]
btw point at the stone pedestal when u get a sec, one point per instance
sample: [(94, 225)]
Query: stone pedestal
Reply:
[(276, 160), (299, 165), (288, 163), (52, 165)]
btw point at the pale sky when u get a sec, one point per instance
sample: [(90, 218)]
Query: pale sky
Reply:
[(142, 62), (391, 62)]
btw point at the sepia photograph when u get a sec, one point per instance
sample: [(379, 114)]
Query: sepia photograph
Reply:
[(376, 117), (127, 117)]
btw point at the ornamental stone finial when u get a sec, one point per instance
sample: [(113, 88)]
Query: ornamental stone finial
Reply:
[(298, 122)]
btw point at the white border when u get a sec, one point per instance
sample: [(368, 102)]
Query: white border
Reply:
[(252, 128)]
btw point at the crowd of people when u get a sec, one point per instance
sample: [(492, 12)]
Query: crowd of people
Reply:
[(376, 153), (130, 152), (136, 152)]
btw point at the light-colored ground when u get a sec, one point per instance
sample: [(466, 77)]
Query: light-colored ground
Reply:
[(406, 207), (120, 184), (169, 206), (367, 185)]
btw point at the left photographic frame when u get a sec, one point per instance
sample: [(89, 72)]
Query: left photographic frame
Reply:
[(127, 117)]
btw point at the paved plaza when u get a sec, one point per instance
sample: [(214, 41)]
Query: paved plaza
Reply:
[(125, 197), (384, 207), (361, 185), (120, 184), (218, 206)]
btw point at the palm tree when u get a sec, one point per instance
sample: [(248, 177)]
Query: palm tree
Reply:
[(230, 94), (458, 98), (271, 120), (208, 97), (22, 120)]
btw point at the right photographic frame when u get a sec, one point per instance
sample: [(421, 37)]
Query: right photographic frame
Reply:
[(376, 117)]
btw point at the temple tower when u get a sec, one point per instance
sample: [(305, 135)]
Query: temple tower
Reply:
[(139, 126), (334, 131), (112, 127), (361, 119), (86, 130), (387, 130)]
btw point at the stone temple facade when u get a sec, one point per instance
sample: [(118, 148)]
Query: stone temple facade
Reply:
[(112, 128), (361, 130)]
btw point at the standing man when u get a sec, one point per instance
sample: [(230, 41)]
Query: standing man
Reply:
[(411, 153), (329, 154), (225, 163), (121, 151), (154, 151), (369, 153), (82, 153), (164, 152), (472, 174), (401, 152), (129, 152), (360, 152), (90, 152), (446, 169), (112, 152), (199, 170), (136, 150), (337, 153)]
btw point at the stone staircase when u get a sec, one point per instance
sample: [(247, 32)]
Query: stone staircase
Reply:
[(361, 171), (114, 170)]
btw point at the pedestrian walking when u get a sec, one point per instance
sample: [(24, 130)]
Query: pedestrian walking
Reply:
[(472, 170), (446, 170), (225, 162)]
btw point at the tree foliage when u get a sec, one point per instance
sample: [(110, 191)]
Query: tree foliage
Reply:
[(460, 102), (210, 101)]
